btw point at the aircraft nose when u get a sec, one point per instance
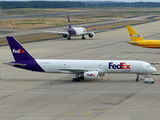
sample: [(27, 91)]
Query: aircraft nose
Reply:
[(154, 69)]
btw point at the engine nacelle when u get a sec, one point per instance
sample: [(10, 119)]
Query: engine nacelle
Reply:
[(65, 35), (91, 34), (91, 75)]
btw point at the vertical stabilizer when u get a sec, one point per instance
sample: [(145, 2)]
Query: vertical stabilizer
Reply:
[(18, 51), (69, 23), (135, 36)]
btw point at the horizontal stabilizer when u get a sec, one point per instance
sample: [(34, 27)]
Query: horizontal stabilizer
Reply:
[(15, 64), (133, 43)]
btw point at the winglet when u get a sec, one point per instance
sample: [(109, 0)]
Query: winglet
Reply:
[(135, 36), (18, 51), (69, 23)]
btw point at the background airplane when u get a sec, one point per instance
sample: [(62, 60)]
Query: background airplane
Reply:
[(73, 31), (138, 40), (83, 69)]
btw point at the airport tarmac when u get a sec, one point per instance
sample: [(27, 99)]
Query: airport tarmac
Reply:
[(106, 21), (26, 95)]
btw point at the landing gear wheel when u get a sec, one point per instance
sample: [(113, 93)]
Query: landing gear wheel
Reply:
[(78, 79), (74, 79), (82, 77), (83, 38), (69, 38), (137, 79)]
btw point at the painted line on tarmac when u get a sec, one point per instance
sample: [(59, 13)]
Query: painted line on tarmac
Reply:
[(85, 113)]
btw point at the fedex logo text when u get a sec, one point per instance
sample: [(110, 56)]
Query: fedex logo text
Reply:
[(122, 65), (91, 74), (17, 51)]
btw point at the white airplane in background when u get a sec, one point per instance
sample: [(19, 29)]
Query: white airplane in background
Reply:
[(83, 69), (73, 31)]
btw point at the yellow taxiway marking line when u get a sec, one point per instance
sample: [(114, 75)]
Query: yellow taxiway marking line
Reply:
[(123, 110), (93, 118), (85, 113)]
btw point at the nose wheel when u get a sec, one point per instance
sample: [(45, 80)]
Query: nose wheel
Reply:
[(137, 79)]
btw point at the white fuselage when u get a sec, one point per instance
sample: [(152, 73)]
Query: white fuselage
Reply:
[(102, 66), (80, 30)]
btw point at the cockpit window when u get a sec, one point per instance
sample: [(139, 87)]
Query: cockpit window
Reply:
[(148, 66)]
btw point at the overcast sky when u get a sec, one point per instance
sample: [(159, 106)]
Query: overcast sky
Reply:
[(92, 0)]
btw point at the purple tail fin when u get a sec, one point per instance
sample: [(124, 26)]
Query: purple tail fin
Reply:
[(18, 51), (69, 23)]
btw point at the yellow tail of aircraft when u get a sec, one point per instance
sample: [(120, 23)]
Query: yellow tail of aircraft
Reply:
[(138, 40), (135, 36)]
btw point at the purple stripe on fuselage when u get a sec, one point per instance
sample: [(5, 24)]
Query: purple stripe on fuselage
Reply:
[(72, 31), (30, 65)]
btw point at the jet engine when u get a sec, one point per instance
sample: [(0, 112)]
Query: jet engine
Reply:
[(91, 34), (91, 75), (65, 35)]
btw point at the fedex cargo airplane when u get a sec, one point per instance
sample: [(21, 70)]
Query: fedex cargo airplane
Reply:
[(83, 69), (138, 40), (73, 31)]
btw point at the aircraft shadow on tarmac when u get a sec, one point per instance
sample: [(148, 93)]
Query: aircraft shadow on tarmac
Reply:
[(50, 82)]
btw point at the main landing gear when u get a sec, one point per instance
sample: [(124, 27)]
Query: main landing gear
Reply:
[(83, 37), (69, 37), (78, 79)]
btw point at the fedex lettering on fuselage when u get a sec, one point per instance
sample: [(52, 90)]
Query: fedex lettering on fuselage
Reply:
[(91, 74), (121, 65), (17, 51)]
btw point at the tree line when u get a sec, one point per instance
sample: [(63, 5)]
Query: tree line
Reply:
[(70, 4)]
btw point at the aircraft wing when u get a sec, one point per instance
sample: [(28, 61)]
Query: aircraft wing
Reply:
[(56, 32), (77, 70), (65, 32), (97, 31)]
